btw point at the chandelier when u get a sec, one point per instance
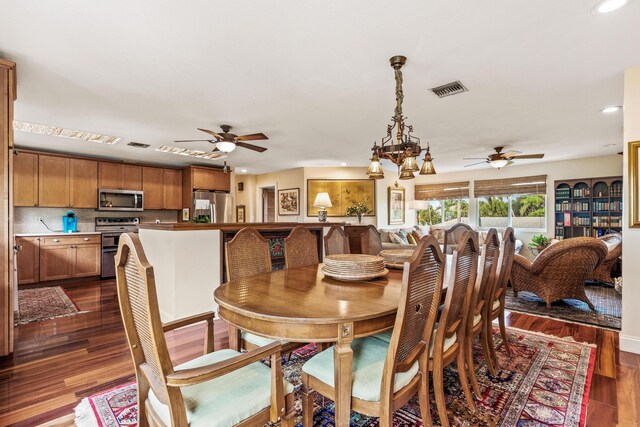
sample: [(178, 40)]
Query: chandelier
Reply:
[(400, 145)]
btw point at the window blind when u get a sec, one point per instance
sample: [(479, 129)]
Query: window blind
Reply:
[(536, 184), (447, 190)]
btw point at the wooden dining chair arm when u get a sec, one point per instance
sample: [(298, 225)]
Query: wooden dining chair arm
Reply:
[(187, 377), (186, 321)]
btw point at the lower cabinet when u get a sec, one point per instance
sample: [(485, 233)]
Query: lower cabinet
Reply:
[(44, 258)]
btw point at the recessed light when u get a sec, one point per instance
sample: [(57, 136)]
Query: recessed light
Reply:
[(243, 171), (610, 145), (611, 109), (65, 133), (606, 6), (343, 164)]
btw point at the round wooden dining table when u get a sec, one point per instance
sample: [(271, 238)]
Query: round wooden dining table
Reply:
[(302, 305)]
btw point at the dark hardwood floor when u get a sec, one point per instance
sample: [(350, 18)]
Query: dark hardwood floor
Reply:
[(60, 361)]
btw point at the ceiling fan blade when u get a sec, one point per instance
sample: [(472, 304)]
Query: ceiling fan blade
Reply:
[(194, 140), (528, 156), (509, 154), (215, 149), (210, 132), (250, 146), (474, 164), (252, 137), (509, 163), (474, 158)]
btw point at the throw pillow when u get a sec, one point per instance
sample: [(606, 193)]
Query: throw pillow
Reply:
[(418, 231), (410, 239), (384, 235), (395, 238), (416, 236), (403, 237)]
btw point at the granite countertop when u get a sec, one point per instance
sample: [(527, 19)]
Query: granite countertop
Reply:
[(56, 233)]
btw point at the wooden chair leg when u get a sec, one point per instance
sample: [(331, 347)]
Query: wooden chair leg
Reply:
[(492, 348), (307, 401), (289, 419), (438, 391), (486, 351), (468, 353), (423, 398), (464, 381), (143, 393), (503, 332)]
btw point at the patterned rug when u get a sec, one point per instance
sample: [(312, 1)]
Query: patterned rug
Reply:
[(38, 304), (545, 382), (607, 301)]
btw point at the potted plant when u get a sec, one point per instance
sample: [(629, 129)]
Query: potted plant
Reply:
[(539, 242), (358, 209)]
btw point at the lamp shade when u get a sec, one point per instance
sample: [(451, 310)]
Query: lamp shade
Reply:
[(406, 175), (322, 201), (409, 164), (375, 168), (225, 146), (499, 163)]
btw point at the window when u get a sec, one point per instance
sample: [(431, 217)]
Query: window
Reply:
[(518, 211), (447, 212)]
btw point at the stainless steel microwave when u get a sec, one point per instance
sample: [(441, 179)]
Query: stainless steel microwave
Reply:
[(120, 200)]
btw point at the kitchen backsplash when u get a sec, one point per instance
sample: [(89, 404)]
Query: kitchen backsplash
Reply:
[(24, 220)]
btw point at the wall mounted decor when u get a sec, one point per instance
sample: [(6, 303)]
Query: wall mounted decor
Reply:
[(634, 184), (241, 186), (289, 201), (343, 193), (240, 214), (395, 205)]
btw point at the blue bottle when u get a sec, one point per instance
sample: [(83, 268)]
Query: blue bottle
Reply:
[(70, 222)]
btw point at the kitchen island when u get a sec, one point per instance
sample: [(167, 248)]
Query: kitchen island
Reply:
[(188, 259)]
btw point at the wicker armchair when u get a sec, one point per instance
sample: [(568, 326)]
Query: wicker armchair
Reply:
[(370, 241), (614, 246), (336, 241), (300, 248), (560, 270), (452, 236)]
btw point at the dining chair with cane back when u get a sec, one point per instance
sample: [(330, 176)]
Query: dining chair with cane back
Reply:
[(448, 341), (496, 309), (386, 375), (219, 388), (300, 248), (370, 241), (247, 254), (453, 235), (478, 315), (336, 241)]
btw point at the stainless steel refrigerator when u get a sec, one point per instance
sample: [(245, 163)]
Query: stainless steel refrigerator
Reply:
[(211, 205)]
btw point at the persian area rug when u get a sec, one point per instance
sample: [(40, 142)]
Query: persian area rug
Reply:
[(607, 301), (38, 304), (545, 382)]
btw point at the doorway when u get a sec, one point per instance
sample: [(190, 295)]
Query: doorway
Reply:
[(268, 204)]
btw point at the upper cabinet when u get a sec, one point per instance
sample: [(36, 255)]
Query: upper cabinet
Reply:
[(25, 179), (118, 176), (172, 190), (162, 188), (67, 182), (83, 183), (208, 179)]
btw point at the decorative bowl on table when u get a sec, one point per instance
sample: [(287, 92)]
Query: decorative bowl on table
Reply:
[(354, 267), (395, 258)]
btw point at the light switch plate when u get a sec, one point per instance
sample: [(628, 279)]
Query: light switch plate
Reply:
[(38, 219)]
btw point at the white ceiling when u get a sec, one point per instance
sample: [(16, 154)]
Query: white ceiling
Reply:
[(315, 77)]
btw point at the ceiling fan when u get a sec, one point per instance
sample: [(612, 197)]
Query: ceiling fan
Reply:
[(499, 159), (227, 142)]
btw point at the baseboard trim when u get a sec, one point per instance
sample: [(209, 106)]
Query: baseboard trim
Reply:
[(630, 344)]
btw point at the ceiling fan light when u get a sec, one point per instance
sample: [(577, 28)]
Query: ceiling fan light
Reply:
[(409, 164), (225, 146), (407, 175), (500, 163)]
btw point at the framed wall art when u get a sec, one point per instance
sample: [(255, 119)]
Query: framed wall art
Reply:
[(342, 193), (289, 201), (634, 184), (240, 214), (395, 205)]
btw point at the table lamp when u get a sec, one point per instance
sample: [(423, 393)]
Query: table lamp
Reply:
[(322, 201)]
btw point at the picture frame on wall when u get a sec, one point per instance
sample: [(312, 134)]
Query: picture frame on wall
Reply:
[(634, 184), (342, 194), (289, 201), (395, 205), (185, 214), (240, 214)]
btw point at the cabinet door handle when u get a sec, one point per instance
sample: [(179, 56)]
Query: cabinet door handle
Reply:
[(86, 239), (56, 240)]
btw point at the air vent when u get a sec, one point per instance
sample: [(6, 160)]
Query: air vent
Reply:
[(138, 145), (449, 89)]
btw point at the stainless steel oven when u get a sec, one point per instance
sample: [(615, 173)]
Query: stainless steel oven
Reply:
[(111, 229), (120, 200)]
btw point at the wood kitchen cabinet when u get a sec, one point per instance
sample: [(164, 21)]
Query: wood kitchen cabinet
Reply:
[(172, 188), (67, 257), (67, 182), (25, 179), (118, 176), (153, 187), (53, 181), (28, 259)]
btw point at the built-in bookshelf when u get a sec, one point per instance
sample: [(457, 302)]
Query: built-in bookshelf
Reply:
[(588, 207)]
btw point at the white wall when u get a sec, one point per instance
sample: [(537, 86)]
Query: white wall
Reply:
[(630, 334), (590, 167)]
